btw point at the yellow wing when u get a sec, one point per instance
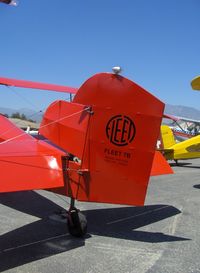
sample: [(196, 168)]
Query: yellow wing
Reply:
[(195, 83)]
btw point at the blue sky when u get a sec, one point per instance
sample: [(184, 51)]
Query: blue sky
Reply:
[(156, 42)]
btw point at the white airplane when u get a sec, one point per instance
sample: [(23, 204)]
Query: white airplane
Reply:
[(183, 128)]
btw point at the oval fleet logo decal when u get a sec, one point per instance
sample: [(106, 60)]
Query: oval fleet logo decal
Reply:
[(120, 130)]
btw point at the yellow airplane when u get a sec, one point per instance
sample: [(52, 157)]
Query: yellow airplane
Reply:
[(195, 83), (186, 149), (172, 150)]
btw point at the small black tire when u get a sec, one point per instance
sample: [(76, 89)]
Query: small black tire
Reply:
[(176, 161), (77, 224)]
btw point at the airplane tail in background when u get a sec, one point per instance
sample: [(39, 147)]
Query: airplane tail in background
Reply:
[(167, 137), (187, 149)]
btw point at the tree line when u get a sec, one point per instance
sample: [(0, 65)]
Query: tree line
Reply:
[(19, 116)]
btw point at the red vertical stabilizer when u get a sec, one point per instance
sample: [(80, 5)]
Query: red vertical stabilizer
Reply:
[(121, 140)]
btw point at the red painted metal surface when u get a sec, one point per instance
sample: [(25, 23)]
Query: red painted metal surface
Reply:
[(9, 131), (37, 85), (160, 165), (27, 163), (65, 124), (121, 141)]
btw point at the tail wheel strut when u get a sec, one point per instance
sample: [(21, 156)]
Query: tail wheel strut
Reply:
[(77, 222)]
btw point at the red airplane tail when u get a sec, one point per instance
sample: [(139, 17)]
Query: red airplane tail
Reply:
[(106, 142), (112, 127)]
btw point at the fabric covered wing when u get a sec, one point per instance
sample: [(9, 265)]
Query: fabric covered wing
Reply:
[(37, 85), (27, 163)]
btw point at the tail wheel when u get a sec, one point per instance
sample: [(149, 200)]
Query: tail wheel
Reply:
[(176, 161), (77, 223)]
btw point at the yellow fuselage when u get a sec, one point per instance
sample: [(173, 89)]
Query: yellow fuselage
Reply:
[(184, 150)]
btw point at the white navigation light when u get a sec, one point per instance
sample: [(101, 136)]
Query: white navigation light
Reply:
[(116, 69)]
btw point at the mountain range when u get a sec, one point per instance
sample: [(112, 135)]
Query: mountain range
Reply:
[(182, 111), (176, 110)]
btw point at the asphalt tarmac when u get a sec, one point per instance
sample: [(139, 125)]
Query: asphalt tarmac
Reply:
[(161, 237)]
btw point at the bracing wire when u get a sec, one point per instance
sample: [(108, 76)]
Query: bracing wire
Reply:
[(53, 122), (38, 111), (30, 116), (24, 98), (18, 123)]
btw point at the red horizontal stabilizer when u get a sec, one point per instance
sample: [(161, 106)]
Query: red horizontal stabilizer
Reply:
[(66, 124), (27, 163), (37, 85), (31, 164), (9, 131), (160, 165)]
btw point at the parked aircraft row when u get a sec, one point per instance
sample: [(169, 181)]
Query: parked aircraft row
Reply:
[(180, 139)]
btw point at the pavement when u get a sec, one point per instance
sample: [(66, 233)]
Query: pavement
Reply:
[(161, 237)]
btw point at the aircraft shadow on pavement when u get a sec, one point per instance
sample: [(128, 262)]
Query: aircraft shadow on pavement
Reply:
[(180, 164), (122, 222), (36, 240), (185, 165), (197, 186), (46, 237)]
